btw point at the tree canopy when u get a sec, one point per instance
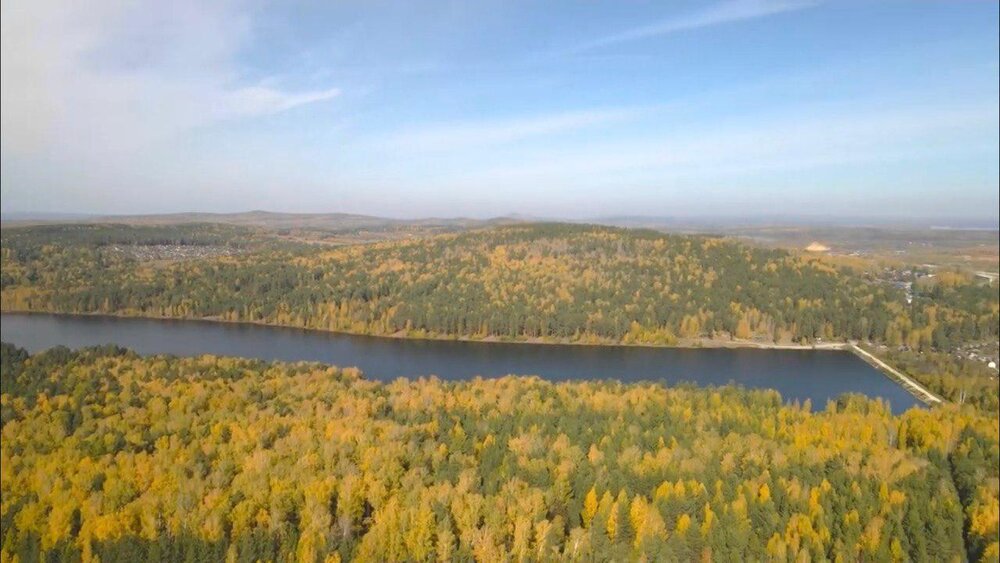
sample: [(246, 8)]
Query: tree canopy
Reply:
[(541, 281), (108, 455), (538, 282)]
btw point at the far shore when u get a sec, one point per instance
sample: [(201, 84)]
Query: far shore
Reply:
[(681, 343), (914, 388)]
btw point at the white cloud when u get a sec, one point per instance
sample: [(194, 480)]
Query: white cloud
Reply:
[(257, 100), (88, 81), (717, 14)]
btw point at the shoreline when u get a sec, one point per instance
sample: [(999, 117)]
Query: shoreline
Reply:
[(922, 394), (690, 344), (914, 388)]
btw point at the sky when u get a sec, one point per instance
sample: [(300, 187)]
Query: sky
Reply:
[(557, 109)]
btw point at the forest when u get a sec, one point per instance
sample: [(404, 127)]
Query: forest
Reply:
[(534, 282), (542, 281), (952, 377), (110, 456)]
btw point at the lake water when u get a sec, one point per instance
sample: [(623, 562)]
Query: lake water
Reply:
[(797, 374)]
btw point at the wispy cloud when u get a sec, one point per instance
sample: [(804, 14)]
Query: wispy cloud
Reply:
[(259, 100), (465, 135), (107, 78), (717, 14), (792, 142)]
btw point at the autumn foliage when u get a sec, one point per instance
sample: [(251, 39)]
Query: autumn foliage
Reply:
[(110, 456), (547, 282)]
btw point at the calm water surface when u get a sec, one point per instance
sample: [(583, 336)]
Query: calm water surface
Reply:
[(797, 374)]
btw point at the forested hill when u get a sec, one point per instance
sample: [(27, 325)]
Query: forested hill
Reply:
[(112, 457), (540, 281)]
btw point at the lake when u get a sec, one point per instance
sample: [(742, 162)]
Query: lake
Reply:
[(817, 375)]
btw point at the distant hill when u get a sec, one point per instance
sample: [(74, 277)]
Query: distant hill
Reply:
[(35, 218), (728, 224), (556, 281), (738, 222), (265, 219)]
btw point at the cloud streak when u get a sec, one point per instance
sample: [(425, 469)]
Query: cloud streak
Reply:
[(460, 136), (718, 14), (786, 144), (260, 100), (87, 82)]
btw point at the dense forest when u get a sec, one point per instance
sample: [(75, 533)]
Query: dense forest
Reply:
[(110, 456), (538, 282), (952, 377), (545, 281)]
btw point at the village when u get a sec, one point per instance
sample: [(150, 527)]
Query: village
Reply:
[(156, 252)]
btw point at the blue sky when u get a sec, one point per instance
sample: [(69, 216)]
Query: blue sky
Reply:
[(575, 109)]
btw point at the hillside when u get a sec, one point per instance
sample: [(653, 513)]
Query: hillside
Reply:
[(109, 455), (541, 281), (533, 282), (330, 222)]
